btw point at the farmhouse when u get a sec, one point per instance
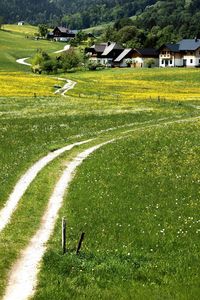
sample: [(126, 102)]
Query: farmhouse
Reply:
[(20, 23), (114, 55), (122, 59), (142, 57), (186, 53), (104, 53), (138, 58), (63, 34)]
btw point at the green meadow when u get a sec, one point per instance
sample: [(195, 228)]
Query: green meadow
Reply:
[(136, 199), (14, 45)]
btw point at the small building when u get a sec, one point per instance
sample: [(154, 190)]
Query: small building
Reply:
[(63, 34), (186, 53), (104, 53), (124, 59), (138, 58), (20, 23), (141, 57)]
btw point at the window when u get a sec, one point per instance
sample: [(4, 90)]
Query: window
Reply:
[(199, 61), (162, 61), (191, 61), (170, 62)]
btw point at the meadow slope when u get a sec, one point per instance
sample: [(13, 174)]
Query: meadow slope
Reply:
[(137, 199)]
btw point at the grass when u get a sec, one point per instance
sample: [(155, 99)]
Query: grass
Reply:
[(21, 84), (149, 84), (14, 45), (32, 127), (137, 201), (25, 29)]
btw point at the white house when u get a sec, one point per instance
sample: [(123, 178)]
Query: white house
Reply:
[(186, 53)]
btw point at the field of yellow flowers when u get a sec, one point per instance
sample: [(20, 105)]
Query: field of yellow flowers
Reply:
[(22, 84), (128, 84)]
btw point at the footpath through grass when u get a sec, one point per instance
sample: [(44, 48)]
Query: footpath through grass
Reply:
[(14, 45), (137, 200), (153, 167)]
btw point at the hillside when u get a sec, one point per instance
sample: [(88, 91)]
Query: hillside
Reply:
[(77, 13)]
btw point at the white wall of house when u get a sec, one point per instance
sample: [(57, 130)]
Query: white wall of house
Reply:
[(189, 59), (103, 61)]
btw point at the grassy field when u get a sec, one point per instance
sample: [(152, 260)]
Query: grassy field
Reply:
[(21, 84), (25, 29), (14, 45), (137, 199), (149, 84)]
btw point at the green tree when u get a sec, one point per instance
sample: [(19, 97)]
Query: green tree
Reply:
[(70, 59), (1, 22), (42, 30)]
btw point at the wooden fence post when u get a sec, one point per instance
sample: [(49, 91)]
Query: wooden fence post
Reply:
[(64, 235), (80, 243)]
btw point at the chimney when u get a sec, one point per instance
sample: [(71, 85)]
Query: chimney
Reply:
[(108, 43), (196, 39)]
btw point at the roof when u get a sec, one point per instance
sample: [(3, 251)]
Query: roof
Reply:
[(187, 44), (110, 47), (184, 45), (123, 54), (99, 47), (173, 47), (63, 29), (147, 52)]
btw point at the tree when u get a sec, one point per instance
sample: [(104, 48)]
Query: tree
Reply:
[(43, 62), (42, 30), (70, 59), (1, 22)]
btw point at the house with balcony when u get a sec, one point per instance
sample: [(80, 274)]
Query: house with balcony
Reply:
[(186, 53)]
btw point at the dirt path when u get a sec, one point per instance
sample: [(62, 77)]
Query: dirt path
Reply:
[(24, 182), (67, 47), (68, 86), (23, 276), (22, 61)]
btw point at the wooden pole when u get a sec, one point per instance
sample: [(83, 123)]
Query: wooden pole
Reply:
[(80, 243), (64, 235)]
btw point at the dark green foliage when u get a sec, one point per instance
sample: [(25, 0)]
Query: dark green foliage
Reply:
[(1, 21), (43, 62), (43, 30), (157, 21), (69, 60)]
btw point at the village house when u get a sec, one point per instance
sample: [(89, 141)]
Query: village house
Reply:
[(186, 53), (138, 58), (104, 53), (20, 23), (63, 34), (114, 55)]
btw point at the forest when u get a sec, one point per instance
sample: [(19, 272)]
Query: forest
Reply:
[(152, 22)]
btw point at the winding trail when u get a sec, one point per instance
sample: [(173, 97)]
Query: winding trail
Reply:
[(67, 47), (68, 86), (24, 182), (22, 61), (23, 277)]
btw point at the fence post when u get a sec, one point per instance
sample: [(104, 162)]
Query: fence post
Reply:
[(80, 243), (63, 235)]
